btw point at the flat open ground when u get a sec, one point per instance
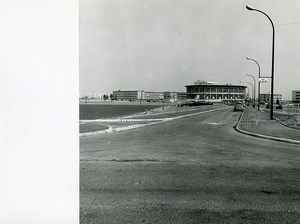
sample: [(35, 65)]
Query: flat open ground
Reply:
[(196, 169)]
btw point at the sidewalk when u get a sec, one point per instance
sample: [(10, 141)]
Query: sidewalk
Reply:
[(257, 123)]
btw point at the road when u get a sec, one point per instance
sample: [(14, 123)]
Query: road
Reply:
[(196, 169)]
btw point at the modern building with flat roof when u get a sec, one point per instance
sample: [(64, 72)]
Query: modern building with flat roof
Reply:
[(154, 96), (296, 96), (212, 92), (130, 95), (266, 97), (174, 96), (133, 95)]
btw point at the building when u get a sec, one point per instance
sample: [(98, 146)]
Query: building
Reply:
[(130, 95), (296, 96), (181, 96), (266, 97), (153, 96), (133, 95), (174, 96), (212, 92)]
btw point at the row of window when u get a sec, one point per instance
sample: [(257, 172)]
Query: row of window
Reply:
[(218, 96), (214, 90)]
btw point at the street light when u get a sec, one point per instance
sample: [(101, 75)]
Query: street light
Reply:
[(273, 40), (258, 80), (253, 89), (248, 91)]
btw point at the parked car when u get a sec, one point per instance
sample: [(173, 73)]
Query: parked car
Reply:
[(238, 107), (279, 106)]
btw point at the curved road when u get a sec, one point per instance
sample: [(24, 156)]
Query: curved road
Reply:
[(196, 169)]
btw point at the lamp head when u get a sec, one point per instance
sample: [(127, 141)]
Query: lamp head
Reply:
[(249, 7), (247, 58)]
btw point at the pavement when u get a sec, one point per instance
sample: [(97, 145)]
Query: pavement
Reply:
[(162, 114), (196, 169), (251, 122), (257, 123)]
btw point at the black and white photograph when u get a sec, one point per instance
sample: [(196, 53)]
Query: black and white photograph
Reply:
[(189, 111), (150, 111)]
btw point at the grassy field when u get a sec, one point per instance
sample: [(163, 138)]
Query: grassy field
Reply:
[(289, 115)]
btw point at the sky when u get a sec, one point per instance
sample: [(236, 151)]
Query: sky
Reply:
[(163, 45)]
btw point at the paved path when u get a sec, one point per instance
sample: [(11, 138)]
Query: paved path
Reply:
[(196, 169), (258, 122)]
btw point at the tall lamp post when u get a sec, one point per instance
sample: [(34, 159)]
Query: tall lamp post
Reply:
[(252, 90), (258, 80), (273, 40), (254, 82)]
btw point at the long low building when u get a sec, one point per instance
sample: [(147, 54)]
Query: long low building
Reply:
[(153, 96), (130, 95), (206, 91), (133, 95), (174, 96), (266, 97)]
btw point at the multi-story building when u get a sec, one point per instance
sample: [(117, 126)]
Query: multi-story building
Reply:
[(296, 96), (181, 96), (133, 95), (130, 95), (212, 92), (154, 96), (266, 97), (174, 96)]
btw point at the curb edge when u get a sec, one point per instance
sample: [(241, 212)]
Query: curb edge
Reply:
[(236, 127)]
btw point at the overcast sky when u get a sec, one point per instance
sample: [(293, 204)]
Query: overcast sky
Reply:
[(160, 45)]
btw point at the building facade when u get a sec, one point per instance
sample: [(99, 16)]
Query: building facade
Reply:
[(207, 91), (181, 96), (296, 96), (174, 96), (266, 97), (130, 95), (133, 95), (154, 96)]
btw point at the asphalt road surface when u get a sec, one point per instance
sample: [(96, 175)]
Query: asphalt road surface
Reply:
[(196, 169)]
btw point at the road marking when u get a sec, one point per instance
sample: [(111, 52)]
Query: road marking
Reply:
[(153, 121)]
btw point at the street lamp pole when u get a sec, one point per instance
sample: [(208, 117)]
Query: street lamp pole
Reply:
[(253, 88), (273, 40), (258, 79)]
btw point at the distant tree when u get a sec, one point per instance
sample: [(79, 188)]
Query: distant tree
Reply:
[(105, 97), (111, 96)]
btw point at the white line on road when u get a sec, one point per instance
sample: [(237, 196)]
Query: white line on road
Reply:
[(157, 121)]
